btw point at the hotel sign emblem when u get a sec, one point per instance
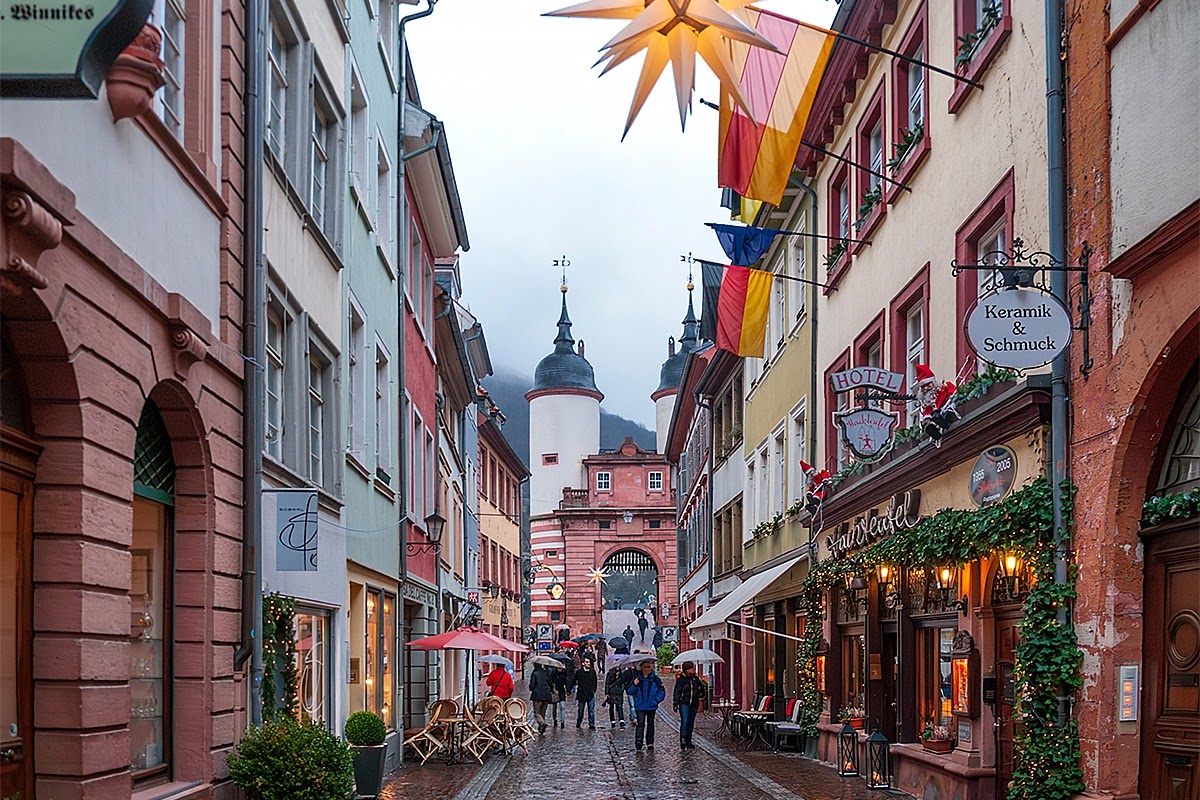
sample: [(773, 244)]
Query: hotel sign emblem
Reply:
[(866, 432), (1021, 328)]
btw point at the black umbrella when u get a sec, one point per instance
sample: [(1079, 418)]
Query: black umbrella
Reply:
[(619, 644), (587, 637)]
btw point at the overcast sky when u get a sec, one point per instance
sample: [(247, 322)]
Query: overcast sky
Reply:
[(536, 139)]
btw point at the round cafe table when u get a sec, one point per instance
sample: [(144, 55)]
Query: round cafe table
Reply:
[(725, 708)]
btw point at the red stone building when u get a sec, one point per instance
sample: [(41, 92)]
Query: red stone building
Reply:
[(120, 433), (1133, 184)]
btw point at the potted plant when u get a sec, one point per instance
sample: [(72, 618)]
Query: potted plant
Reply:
[(937, 739), (366, 732), (288, 760), (853, 715)]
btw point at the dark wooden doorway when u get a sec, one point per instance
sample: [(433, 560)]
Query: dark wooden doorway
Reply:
[(16, 617), (1170, 712), (1008, 636)]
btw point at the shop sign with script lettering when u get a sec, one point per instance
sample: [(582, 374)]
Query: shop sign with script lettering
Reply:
[(902, 512)]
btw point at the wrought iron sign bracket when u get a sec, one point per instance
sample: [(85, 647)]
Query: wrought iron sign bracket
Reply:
[(413, 549), (865, 398)]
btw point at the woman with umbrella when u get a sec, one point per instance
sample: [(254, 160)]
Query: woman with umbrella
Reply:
[(614, 691), (499, 681), (541, 690)]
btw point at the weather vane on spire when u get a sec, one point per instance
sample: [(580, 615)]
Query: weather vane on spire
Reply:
[(563, 263), (689, 261)]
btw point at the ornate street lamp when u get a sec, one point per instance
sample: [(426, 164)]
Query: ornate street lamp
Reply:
[(946, 577), (628, 517), (891, 597), (1010, 571), (879, 761), (847, 749), (859, 585)]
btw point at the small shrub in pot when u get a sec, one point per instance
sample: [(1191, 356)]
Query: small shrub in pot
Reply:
[(366, 733), (289, 760)]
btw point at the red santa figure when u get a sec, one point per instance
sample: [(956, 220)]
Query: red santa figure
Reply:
[(815, 491), (936, 399)]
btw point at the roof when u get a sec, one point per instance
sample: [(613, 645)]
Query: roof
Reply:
[(672, 368), (564, 368)]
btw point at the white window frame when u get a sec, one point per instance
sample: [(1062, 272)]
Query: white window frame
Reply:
[(356, 381), (320, 153), (916, 91), (765, 487), (750, 507), (383, 410), (385, 194), (655, 477), (276, 380), (171, 18), (360, 139), (844, 208), (318, 369), (995, 240), (914, 353), (386, 17), (603, 481), (279, 51), (875, 144), (798, 451), (798, 268), (779, 467)]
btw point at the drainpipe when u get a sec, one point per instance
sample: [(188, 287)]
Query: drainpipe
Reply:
[(1059, 412), (254, 356), (401, 374)]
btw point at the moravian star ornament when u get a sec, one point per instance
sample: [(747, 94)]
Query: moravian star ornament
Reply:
[(675, 31), (597, 576)]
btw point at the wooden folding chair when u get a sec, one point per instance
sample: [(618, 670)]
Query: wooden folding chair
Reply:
[(519, 728), (437, 736), (478, 738)]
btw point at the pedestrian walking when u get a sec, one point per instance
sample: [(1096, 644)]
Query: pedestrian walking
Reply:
[(628, 634), (562, 687), (646, 691), (657, 641), (614, 695), (689, 691), (499, 683), (541, 692), (640, 613), (585, 694)]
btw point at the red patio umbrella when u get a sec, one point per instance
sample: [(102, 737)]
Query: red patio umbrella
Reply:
[(468, 638)]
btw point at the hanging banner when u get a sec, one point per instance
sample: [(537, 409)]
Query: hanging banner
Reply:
[(296, 531), (867, 432), (64, 50), (1021, 328)]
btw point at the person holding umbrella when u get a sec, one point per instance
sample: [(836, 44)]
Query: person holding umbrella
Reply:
[(689, 691), (646, 691), (614, 694), (499, 682), (541, 692)]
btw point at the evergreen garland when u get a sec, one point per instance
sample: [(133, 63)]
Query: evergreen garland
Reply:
[(279, 653), (1048, 657), (1184, 505)]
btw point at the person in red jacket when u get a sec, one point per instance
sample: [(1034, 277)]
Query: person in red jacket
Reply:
[(499, 683)]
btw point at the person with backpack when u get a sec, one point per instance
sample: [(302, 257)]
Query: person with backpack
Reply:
[(614, 695), (689, 692), (585, 693), (541, 692), (646, 691)]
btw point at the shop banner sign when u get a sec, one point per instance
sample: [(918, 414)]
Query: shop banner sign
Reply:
[(64, 50), (1021, 328), (296, 531), (867, 432)]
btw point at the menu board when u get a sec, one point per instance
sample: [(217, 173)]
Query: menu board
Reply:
[(960, 684)]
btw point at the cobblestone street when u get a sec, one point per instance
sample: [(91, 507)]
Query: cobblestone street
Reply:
[(603, 765)]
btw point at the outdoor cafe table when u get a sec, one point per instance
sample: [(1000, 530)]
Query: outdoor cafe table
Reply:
[(725, 708), (757, 721), (457, 726)]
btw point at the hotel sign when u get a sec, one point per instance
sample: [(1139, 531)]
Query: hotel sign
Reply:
[(1021, 328), (866, 432), (64, 49), (866, 378)]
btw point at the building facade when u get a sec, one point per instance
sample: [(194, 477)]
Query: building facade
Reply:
[(121, 434), (502, 474)]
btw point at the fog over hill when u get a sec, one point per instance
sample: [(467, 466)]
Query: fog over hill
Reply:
[(508, 389)]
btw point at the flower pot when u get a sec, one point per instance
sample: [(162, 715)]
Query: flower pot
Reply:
[(368, 769), (856, 722), (937, 745)]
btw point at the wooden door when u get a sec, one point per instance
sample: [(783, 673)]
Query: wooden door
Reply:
[(1170, 712), (1008, 635), (16, 626)]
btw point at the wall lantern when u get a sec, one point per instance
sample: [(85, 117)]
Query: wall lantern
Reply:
[(879, 761), (887, 577), (1010, 571), (859, 585), (947, 577), (628, 517), (847, 749), (494, 590), (555, 590)]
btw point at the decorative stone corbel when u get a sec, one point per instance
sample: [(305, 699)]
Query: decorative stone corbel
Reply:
[(189, 348), (136, 75), (30, 230)]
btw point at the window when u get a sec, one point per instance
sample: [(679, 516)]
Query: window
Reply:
[(312, 665), (836, 454), (356, 359), (980, 28), (914, 353), (839, 218), (751, 496), (798, 268), (317, 370), (379, 649), (416, 258), (868, 351), (383, 414), (149, 594), (875, 149), (765, 486), (416, 458), (278, 53), (798, 442), (985, 235), (603, 481), (387, 34), (275, 381), (431, 474), (854, 684), (319, 165), (549, 459), (605, 525), (870, 199), (656, 481), (359, 138), (556, 616), (171, 19), (779, 467), (655, 524), (916, 92), (384, 239), (933, 675), (776, 329), (910, 102)]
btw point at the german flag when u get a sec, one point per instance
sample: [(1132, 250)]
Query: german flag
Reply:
[(736, 300), (755, 156)]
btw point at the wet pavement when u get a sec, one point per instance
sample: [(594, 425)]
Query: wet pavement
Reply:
[(603, 765)]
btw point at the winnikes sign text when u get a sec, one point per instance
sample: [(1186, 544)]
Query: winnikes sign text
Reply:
[(902, 512)]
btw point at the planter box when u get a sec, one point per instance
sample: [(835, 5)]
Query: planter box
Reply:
[(368, 769), (937, 745), (857, 722)]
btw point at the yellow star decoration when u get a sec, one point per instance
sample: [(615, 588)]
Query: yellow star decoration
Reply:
[(597, 576), (675, 31)]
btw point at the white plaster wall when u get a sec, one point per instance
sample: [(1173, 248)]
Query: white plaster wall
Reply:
[(663, 407), (567, 424), (728, 480), (305, 269), (697, 585), (327, 41), (1155, 146), (128, 189), (998, 128)]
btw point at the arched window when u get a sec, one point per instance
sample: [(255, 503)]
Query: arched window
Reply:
[(1181, 466), (150, 597)]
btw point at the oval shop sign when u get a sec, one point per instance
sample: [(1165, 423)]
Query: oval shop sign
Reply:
[(1018, 328)]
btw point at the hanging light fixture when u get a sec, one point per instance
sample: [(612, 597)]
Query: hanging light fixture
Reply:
[(891, 597), (847, 749), (946, 577), (859, 585), (1010, 571), (879, 761)]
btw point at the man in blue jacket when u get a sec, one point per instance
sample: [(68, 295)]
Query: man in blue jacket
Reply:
[(646, 691)]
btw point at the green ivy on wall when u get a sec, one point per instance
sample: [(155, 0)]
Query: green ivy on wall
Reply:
[(279, 652), (1048, 656), (1184, 505)]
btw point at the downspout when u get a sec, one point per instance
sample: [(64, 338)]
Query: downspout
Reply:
[(254, 356), (1059, 412), (401, 374)]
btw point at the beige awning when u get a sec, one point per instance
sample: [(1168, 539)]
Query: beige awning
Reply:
[(711, 624)]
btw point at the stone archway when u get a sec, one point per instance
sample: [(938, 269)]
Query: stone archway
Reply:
[(631, 593)]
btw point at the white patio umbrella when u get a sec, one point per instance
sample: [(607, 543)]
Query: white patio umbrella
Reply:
[(698, 656)]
